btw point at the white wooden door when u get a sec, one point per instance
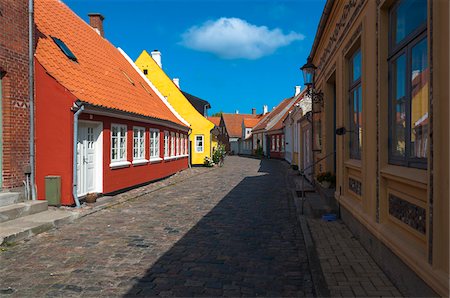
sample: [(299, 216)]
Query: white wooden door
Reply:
[(86, 169)]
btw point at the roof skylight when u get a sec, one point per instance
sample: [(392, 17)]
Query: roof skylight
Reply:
[(64, 48)]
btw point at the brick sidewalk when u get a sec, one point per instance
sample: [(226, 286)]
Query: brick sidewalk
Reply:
[(347, 268)]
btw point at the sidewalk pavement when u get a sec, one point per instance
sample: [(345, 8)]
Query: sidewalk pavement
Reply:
[(346, 268)]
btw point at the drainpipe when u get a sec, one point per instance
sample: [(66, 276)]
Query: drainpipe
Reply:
[(75, 156), (31, 93), (189, 148)]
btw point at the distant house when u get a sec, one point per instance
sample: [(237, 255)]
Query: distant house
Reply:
[(231, 129), (246, 140), (200, 138), (268, 133), (101, 126), (14, 99)]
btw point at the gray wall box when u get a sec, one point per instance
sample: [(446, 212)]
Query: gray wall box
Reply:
[(53, 190)]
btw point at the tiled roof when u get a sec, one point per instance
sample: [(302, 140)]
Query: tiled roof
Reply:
[(264, 124), (215, 120), (233, 123), (101, 76), (198, 103), (251, 122), (279, 124)]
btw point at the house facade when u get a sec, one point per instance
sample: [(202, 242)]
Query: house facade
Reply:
[(232, 131), (200, 138), (382, 67), (14, 100), (246, 140), (101, 126)]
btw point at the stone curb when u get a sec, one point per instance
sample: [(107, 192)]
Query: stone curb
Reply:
[(318, 279)]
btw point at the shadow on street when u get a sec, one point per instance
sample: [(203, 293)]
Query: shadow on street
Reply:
[(249, 244)]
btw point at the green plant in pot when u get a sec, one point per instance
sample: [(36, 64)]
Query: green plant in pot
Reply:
[(326, 179)]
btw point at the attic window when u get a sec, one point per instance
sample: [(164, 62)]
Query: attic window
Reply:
[(145, 71), (129, 79), (64, 48)]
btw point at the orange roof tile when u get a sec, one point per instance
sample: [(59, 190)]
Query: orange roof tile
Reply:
[(233, 123), (279, 125), (251, 122), (278, 109), (215, 120), (102, 76)]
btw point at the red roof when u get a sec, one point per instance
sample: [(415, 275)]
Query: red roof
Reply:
[(101, 76), (251, 122), (215, 120), (278, 109), (233, 123), (279, 125)]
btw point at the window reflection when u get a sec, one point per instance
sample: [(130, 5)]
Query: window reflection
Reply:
[(419, 99), (409, 15)]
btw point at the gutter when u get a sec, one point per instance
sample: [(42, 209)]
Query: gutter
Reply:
[(75, 155), (321, 27), (31, 94)]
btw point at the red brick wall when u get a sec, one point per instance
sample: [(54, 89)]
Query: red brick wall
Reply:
[(14, 65)]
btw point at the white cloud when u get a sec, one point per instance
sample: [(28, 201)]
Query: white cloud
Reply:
[(233, 38)]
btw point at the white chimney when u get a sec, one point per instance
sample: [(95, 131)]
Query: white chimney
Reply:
[(297, 90), (265, 109), (156, 55), (176, 81), (237, 111)]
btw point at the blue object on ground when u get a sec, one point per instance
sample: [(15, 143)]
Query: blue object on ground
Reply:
[(329, 217)]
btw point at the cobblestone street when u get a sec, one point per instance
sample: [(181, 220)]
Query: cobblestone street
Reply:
[(228, 231)]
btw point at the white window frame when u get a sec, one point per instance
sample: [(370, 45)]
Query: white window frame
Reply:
[(172, 144), (273, 143), (119, 161), (155, 141), (203, 144), (166, 144), (278, 143), (140, 139), (177, 140)]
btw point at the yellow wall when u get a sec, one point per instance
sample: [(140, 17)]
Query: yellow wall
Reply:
[(199, 124)]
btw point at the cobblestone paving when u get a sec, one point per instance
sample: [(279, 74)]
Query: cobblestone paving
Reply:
[(347, 267), (230, 231)]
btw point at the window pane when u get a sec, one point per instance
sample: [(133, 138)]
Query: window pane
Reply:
[(356, 66), (399, 107), (419, 99), (408, 16)]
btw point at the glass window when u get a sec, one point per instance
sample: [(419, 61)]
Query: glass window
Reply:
[(172, 144), (138, 143), (355, 103), (408, 87), (166, 144), (118, 142), (154, 143), (407, 17), (199, 143)]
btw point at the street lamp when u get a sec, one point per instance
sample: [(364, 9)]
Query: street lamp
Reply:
[(309, 75)]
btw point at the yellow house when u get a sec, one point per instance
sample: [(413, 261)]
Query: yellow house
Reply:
[(200, 135)]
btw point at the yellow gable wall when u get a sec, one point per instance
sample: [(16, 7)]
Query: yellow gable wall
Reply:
[(199, 124)]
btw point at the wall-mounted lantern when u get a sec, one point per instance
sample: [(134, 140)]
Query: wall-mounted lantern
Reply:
[(309, 75)]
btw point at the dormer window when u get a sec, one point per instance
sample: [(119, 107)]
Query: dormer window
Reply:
[(64, 48)]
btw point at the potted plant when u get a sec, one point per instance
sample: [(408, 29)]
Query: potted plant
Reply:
[(326, 179), (91, 198)]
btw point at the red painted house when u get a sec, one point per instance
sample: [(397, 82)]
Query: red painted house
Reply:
[(126, 134)]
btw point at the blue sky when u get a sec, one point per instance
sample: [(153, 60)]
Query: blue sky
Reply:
[(235, 54)]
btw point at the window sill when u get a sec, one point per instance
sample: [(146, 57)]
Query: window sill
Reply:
[(355, 164), (155, 159), (175, 157), (412, 176), (119, 164), (138, 162)]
